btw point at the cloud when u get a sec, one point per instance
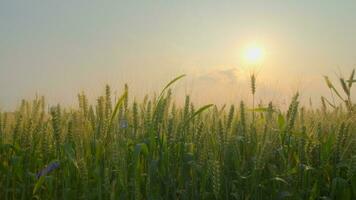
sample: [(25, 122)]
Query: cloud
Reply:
[(219, 86), (228, 85), (219, 76)]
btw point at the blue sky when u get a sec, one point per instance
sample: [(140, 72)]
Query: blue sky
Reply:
[(59, 48)]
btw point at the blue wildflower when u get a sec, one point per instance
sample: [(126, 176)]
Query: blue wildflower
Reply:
[(48, 169), (124, 123)]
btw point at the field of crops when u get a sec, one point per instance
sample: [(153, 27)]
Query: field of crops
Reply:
[(155, 149)]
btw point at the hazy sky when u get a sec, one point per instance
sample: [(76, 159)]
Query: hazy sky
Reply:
[(59, 48)]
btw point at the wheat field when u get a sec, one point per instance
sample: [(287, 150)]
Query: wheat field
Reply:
[(156, 149)]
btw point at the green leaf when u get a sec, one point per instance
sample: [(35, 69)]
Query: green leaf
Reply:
[(314, 193), (117, 106), (38, 184), (328, 82), (353, 184), (5, 147), (260, 109), (351, 79), (340, 188), (169, 84), (345, 87), (327, 101), (164, 89), (140, 148), (70, 153), (279, 179), (281, 121), (200, 110)]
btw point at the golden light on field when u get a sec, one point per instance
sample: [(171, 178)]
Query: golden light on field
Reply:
[(254, 54)]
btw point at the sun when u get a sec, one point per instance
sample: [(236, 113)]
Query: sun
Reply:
[(254, 54)]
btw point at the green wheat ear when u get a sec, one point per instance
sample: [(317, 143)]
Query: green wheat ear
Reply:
[(223, 154), (216, 171), (108, 106), (56, 124), (230, 117), (332, 87), (135, 117), (253, 83), (243, 118), (292, 113)]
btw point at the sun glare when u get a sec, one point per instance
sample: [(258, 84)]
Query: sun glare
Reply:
[(254, 54)]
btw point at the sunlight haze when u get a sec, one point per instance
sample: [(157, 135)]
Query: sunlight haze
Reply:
[(58, 49)]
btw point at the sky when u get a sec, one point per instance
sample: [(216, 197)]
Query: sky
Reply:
[(60, 48)]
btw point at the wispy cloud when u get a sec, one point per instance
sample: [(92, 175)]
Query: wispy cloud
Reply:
[(231, 85)]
